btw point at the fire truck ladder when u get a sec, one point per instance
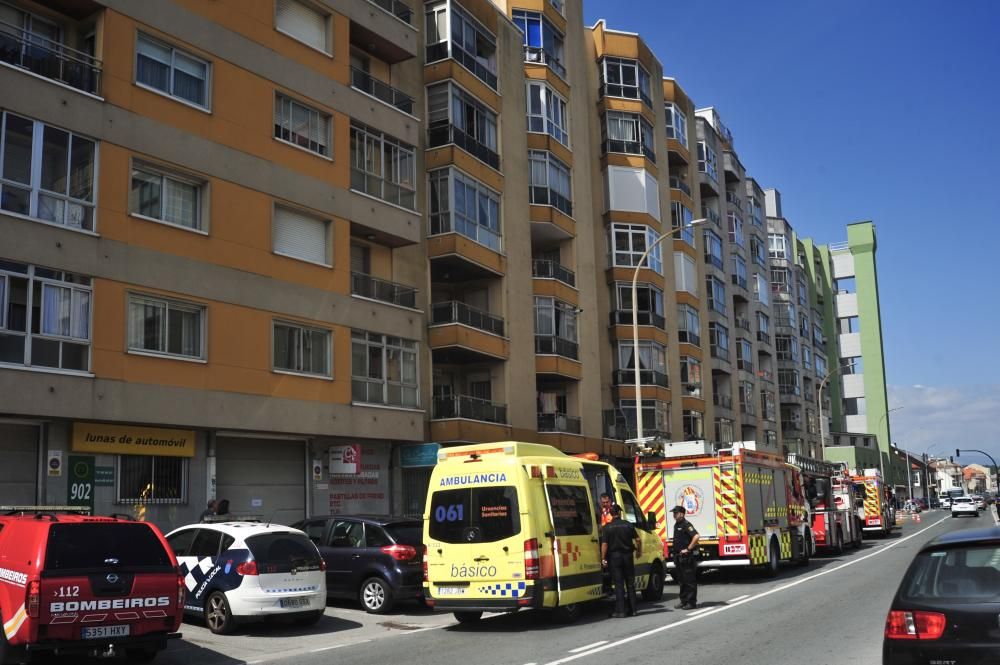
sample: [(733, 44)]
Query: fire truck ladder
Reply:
[(729, 495)]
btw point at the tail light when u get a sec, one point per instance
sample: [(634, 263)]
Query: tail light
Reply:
[(425, 564), (34, 598), (531, 567), (914, 625), (181, 590), (322, 564), (247, 568), (400, 552)]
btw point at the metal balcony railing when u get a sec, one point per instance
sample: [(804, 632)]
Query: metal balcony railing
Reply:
[(546, 269), (647, 377), (630, 148), (691, 389), (688, 337), (788, 389), (677, 183), (371, 86), (546, 196), (540, 56), (398, 9), (555, 345), (620, 428), (763, 337), (558, 422), (367, 286), (472, 408), (49, 59), (710, 215), (623, 317), (445, 133), (743, 323), (441, 51), (722, 401), (733, 200), (454, 311), (745, 365)]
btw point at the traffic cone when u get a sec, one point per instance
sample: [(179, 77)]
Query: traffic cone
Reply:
[(916, 517)]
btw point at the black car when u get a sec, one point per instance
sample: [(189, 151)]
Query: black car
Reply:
[(947, 607), (378, 560)]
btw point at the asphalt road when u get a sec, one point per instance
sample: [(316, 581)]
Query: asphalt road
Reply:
[(828, 613)]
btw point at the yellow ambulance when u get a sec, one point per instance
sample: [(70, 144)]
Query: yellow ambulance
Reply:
[(512, 525)]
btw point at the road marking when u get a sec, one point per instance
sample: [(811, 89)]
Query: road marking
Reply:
[(589, 646), (697, 612), (331, 648), (750, 599), (737, 598)]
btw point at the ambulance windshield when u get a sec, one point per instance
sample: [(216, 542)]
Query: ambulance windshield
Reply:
[(475, 515)]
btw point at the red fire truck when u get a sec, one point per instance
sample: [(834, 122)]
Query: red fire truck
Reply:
[(831, 501)]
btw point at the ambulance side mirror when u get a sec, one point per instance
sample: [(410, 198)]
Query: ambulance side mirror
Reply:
[(651, 520)]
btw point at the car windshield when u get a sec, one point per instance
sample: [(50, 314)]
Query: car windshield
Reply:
[(958, 575), (406, 533), (82, 546)]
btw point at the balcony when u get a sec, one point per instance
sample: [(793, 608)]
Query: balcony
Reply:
[(740, 281), (744, 364), (791, 427), (536, 55), (470, 408), (789, 390), (554, 345), (711, 216), (714, 260), (785, 322), (454, 311), (722, 401), (766, 375), (623, 317), (732, 167), (446, 133), (680, 185), (558, 422), (763, 337), (440, 51), (460, 334), (743, 323), (398, 9), (691, 389), (545, 269), (546, 196), (630, 148), (366, 286), (733, 200), (371, 86), (382, 189), (648, 377), (619, 428), (49, 59)]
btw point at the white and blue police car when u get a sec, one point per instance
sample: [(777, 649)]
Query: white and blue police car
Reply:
[(238, 572)]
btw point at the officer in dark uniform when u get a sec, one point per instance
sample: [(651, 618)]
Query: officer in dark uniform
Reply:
[(683, 548), (619, 540)]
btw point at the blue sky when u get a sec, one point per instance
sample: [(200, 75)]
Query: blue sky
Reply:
[(888, 111)]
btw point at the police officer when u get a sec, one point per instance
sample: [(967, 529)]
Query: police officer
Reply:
[(683, 548), (619, 540)]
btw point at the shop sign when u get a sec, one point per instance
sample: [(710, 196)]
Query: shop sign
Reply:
[(80, 481), (55, 463), (104, 476), (345, 459), (364, 492), (132, 440), (418, 454)]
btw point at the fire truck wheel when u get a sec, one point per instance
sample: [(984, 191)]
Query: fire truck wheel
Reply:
[(654, 590), (773, 560), (806, 550), (838, 547)]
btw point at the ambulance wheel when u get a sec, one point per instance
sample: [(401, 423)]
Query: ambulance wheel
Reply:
[(567, 613), (654, 588), (468, 617), (218, 616), (838, 545), (773, 560), (376, 596)]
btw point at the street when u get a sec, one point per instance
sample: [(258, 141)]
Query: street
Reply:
[(829, 612)]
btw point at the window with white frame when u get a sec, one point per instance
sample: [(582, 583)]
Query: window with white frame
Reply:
[(628, 243), (652, 362), (777, 244), (550, 181), (171, 71), (543, 43), (681, 218), (621, 77), (676, 123), (758, 252), (713, 249), (167, 197), (691, 376), (739, 276), (716, 293), (469, 42), (694, 425), (744, 354), (649, 301), (166, 327), (455, 116), (383, 369), (304, 22), (787, 347), (547, 112), (685, 273), (47, 173), (763, 323), (459, 203), (780, 281), (708, 161), (382, 166), (629, 133), (44, 317), (761, 288), (302, 350), (736, 230), (718, 340), (655, 415), (688, 325), (301, 236), (807, 357), (301, 125), (555, 319)]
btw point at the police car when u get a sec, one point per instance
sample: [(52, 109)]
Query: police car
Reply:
[(239, 572)]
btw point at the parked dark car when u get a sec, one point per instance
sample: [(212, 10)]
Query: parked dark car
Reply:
[(377, 560), (923, 503), (935, 502), (945, 610)]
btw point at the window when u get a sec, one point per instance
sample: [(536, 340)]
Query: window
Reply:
[(571, 510), (779, 281), (304, 23), (736, 230), (716, 294), (45, 320), (301, 125), (624, 78), (748, 404), (787, 347), (756, 212), (691, 376), (555, 319), (383, 369), (47, 173), (302, 350), (157, 325), (777, 244), (807, 357), (681, 218), (744, 354), (694, 425), (655, 415), (652, 362), (149, 480), (632, 189), (83, 547), (165, 197), (719, 340), (855, 406), (301, 236), (708, 162), (550, 181), (761, 289), (757, 253), (767, 405), (382, 166), (685, 273), (173, 72), (629, 242), (461, 204), (804, 325), (469, 42), (818, 338), (688, 325), (763, 323), (848, 324), (676, 123), (803, 291), (454, 116), (649, 307), (543, 43), (629, 133), (820, 361), (724, 430), (739, 277), (547, 113), (474, 515), (713, 249), (789, 382)]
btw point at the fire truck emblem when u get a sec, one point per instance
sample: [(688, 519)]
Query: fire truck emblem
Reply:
[(691, 498)]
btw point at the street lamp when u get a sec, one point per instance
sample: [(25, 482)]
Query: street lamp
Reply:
[(996, 471), (819, 399), (635, 322), (881, 468)]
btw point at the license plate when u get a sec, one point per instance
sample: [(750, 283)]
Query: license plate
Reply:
[(450, 590), (100, 632), (300, 601)]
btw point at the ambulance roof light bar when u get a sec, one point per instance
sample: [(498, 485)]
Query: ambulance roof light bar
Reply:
[(445, 453)]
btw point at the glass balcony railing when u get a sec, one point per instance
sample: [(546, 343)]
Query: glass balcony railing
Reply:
[(454, 311), (49, 59), (558, 422), (647, 377), (623, 317), (367, 286), (373, 87), (557, 346), (545, 269), (472, 408), (446, 133)]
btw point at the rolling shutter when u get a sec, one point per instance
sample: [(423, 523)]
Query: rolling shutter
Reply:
[(300, 236), (302, 22)]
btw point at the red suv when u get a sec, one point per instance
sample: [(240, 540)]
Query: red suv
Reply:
[(74, 584)]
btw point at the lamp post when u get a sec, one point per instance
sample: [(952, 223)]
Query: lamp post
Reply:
[(639, 434), (996, 471), (819, 399), (881, 467)]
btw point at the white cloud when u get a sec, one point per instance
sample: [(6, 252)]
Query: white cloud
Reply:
[(943, 418)]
